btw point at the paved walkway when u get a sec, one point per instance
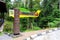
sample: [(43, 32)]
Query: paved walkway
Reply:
[(5, 37), (50, 36), (1, 28)]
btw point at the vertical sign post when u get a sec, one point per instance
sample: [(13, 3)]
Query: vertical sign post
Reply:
[(16, 29)]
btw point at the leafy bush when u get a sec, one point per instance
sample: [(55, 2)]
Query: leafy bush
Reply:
[(54, 23), (8, 27), (36, 28), (10, 19)]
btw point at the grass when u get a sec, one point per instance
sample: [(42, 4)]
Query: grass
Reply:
[(29, 30), (34, 29), (1, 33)]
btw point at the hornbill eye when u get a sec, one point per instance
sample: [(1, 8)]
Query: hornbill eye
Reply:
[(3, 7)]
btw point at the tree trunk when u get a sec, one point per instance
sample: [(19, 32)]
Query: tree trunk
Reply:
[(31, 5), (31, 23), (27, 23), (58, 4)]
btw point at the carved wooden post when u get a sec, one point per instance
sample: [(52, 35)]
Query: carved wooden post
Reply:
[(16, 29)]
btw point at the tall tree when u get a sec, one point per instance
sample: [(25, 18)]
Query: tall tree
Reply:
[(48, 7), (31, 5)]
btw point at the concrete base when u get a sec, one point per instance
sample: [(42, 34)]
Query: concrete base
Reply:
[(15, 35)]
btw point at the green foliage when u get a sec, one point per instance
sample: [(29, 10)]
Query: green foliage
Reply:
[(8, 27), (24, 10), (55, 23), (49, 13), (49, 16), (10, 19), (23, 23), (8, 4), (34, 29)]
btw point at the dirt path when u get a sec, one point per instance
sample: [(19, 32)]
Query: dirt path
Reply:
[(27, 34)]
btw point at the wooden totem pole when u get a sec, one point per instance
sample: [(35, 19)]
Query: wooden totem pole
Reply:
[(16, 29)]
